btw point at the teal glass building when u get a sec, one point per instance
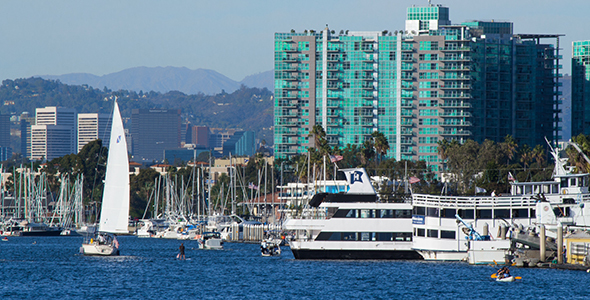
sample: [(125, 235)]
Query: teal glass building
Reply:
[(418, 86), (580, 88)]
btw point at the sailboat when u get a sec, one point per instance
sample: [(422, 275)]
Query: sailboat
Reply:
[(115, 199)]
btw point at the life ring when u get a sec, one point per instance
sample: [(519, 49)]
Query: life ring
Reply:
[(546, 208), (564, 192)]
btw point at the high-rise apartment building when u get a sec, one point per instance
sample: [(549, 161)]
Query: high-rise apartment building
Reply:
[(54, 134), (92, 126), (153, 131), (580, 87), (429, 82)]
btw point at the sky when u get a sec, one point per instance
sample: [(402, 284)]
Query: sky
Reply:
[(234, 38)]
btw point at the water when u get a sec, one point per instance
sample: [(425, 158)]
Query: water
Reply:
[(52, 268)]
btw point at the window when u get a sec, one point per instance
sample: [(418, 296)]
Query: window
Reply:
[(419, 210), (432, 233), (444, 234), (502, 213), (384, 236), (432, 212), (484, 213), (349, 236), (520, 213), (448, 213), (465, 213), (419, 232)]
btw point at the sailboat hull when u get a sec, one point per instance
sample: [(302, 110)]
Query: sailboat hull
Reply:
[(99, 249)]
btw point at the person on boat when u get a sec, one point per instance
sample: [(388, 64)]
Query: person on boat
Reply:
[(181, 248), (494, 193)]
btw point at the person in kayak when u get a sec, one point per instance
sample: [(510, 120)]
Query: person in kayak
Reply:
[(504, 272)]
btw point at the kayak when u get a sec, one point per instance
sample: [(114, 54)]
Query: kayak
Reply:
[(506, 279)]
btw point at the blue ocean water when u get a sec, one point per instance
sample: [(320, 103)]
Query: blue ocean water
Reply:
[(52, 268)]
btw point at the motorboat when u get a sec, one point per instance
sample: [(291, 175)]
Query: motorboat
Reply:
[(210, 240)]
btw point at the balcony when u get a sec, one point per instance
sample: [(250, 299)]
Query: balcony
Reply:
[(458, 114), (463, 77), (461, 104), (456, 132), (455, 95), (455, 86), (455, 124)]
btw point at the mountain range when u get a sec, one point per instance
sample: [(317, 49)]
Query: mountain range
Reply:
[(165, 79)]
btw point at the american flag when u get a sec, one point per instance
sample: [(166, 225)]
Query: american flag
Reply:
[(252, 186), (414, 180), (335, 158)]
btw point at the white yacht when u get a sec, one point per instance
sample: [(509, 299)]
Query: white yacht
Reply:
[(352, 225), (438, 235)]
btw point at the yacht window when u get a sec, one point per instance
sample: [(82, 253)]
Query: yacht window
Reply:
[(366, 236), (484, 213), (351, 213), (573, 182), (502, 213), (465, 213), (448, 213), (546, 189), (445, 234), (349, 236), (419, 231), (366, 213), (532, 213), (432, 212), (403, 213), (341, 213), (386, 213), (419, 210), (328, 236), (564, 183), (433, 233), (384, 236), (520, 213), (528, 189), (402, 236)]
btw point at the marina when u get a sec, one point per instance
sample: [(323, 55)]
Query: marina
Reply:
[(51, 268)]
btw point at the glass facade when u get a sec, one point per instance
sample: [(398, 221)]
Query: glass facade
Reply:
[(580, 88), (471, 81)]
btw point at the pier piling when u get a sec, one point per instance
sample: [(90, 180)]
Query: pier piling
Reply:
[(542, 243)]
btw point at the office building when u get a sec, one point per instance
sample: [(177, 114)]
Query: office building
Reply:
[(153, 131), (432, 81), (241, 143), (54, 134), (200, 136), (4, 130), (580, 88), (26, 120), (93, 126)]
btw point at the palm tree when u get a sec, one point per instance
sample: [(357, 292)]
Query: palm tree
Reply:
[(381, 144), (509, 147), (319, 138)]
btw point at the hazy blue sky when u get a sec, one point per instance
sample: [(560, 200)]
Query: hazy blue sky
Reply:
[(234, 38)]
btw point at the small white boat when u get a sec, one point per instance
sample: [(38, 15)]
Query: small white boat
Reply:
[(210, 240), (506, 279), (270, 247)]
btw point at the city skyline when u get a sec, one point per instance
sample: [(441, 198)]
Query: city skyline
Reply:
[(233, 38)]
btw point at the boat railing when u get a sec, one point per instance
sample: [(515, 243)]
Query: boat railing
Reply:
[(457, 201)]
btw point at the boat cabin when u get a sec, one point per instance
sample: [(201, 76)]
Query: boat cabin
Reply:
[(566, 184)]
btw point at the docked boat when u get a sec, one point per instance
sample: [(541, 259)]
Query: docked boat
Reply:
[(114, 213), (352, 225), (438, 236)]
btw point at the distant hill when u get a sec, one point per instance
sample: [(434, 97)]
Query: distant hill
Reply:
[(261, 80), (165, 79), (245, 108)]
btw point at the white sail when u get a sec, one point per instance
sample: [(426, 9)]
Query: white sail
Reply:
[(115, 199)]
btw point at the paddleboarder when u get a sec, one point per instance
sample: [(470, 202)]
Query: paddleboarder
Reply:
[(181, 254)]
